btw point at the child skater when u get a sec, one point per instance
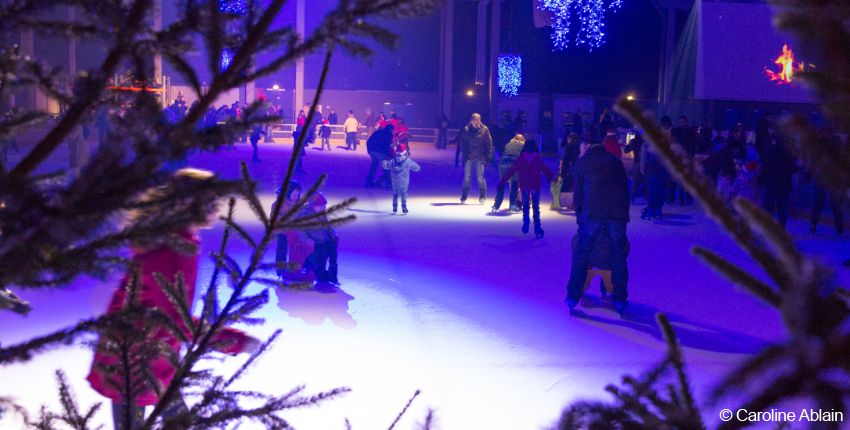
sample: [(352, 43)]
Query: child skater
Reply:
[(400, 166), (167, 261), (256, 131), (529, 165), (325, 134), (293, 195), (323, 239), (746, 185)]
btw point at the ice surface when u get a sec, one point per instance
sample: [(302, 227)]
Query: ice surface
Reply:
[(452, 300)]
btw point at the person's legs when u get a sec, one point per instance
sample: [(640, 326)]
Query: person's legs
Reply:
[(820, 199), (372, 169), (769, 205), (482, 183), (587, 233), (403, 193), (395, 200), (386, 175), (782, 196), (467, 179), (254, 144), (457, 154), (514, 195), (500, 190), (836, 200), (280, 252), (619, 267), (525, 195), (120, 415), (321, 254), (535, 205)]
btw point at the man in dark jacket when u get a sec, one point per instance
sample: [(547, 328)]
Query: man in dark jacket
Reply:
[(601, 199), (378, 147), (578, 126), (777, 173), (476, 145), (763, 134)]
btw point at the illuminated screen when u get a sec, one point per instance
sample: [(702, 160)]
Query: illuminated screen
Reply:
[(737, 53)]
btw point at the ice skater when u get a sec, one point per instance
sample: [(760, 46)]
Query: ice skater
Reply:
[(325, 134), (400, 167), (323, 239), (168, 262), (601, 201), (256, 131), (477, 150), (293, 192), (529, 165)]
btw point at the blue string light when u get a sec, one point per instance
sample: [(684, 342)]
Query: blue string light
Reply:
[(591, 15), (226, 58), (236, 7), (510, 74)]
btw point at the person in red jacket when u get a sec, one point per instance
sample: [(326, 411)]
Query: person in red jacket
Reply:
[(529, 165), (612, 143), (169, 262)]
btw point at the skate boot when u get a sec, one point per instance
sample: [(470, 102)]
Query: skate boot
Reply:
[(620, 307), (481, 200), (814, 228), (572, 304), (646, 213), (515, 208), (321, 275), (404, 209), (538, 231), (395, 209), (462, 199), (332, 279), (525, 224)]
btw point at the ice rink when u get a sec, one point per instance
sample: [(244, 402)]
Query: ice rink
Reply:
[(452, 300)]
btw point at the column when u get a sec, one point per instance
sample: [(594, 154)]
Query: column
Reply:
[(446, 52), (300, 28), (495, 46)]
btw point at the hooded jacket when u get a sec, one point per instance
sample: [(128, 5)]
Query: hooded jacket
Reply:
[(400, 167), (529, 167)]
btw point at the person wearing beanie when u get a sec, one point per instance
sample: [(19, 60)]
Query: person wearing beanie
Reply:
[(325, 134), (746, 185), (612, 143), (323, 239), (379, 146), (293, 194), (529, 165), (399, 167)]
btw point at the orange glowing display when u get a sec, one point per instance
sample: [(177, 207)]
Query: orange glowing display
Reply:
[(787, 67)]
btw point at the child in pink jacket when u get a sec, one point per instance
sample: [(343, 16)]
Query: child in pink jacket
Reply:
[(529, 165)]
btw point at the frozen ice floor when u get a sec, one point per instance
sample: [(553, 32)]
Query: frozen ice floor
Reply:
[(452, 300)]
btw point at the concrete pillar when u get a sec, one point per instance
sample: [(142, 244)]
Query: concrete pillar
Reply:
[(446, 52), (157, 26), (670, 56), (301, 29), (28, 48), (495, 46)]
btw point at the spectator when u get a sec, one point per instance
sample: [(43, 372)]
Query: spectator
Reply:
[(778, 169), (332, 118), (578, 125), (351, 127), (705, 135), (443, 127), (763, 133), (634, 146)]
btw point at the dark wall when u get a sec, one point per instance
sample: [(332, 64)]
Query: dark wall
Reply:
[(628, 61)]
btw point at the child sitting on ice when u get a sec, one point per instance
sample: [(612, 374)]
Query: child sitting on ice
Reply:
[(400, 166), (323, 239), (293, 192), (746, 184), (529, 165)]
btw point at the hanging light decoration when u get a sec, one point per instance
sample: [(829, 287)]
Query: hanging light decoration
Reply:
[(236, 7), (509, 67), (591, 14), (510, 73)]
